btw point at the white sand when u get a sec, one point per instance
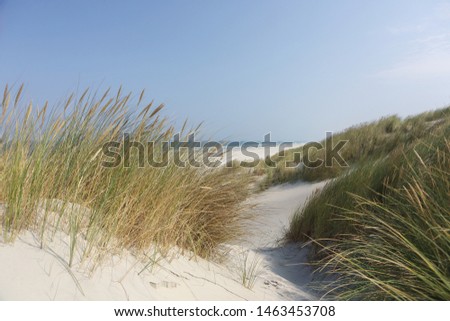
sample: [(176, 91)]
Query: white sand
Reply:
[(258, 153), (29, 272)]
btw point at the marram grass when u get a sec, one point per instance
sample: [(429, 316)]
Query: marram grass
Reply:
[(51, 160), (365, 142), (401, 249), (383, 229)]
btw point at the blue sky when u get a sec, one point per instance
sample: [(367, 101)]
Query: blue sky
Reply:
[(245, 68)]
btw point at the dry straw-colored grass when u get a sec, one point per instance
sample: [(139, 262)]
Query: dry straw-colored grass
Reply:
[(50, 156)]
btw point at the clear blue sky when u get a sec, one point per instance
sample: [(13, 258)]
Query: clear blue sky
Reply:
[(294, 68)]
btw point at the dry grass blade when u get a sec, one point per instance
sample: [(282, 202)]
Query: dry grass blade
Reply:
[(19, 93)]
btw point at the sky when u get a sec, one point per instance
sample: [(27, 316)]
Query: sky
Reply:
[(245, 68)]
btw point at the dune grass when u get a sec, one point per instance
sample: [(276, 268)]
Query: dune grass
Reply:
[(54, 156), (368, 177), (399, 248), (366, 142), (382, 227)]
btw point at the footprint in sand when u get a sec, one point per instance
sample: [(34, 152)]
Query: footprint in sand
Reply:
[(272, 283)]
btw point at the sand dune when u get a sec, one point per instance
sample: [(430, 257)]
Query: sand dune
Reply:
[(30, 271)]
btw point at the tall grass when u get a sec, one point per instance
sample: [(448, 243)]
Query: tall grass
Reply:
[(318, 217), (400, 246), (383, 227), (369, 178), (51, 159)]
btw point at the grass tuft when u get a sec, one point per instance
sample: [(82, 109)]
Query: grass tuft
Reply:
[(52, 178)]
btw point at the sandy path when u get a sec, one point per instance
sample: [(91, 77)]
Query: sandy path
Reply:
[(285, 265)]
